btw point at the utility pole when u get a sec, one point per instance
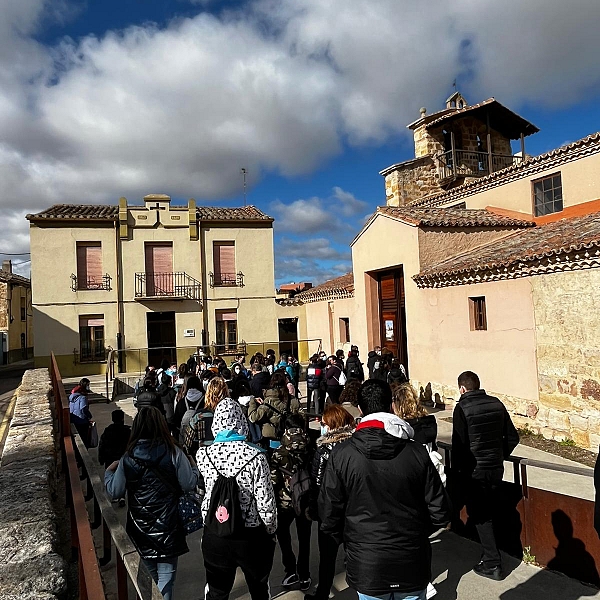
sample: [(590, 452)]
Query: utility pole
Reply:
[(244, 171)]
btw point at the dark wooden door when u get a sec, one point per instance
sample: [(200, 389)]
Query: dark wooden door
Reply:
[(161, 337), (393, 314)]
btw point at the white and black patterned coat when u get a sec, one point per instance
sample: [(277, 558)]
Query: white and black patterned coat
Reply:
[(257, 499)]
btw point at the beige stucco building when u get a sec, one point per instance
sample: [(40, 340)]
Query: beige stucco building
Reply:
[(153, 281), (16, 322), (482, 260)]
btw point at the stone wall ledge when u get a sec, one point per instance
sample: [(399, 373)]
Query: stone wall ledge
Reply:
[(30, 564)]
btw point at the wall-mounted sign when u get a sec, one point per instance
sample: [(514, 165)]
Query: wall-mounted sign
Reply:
[(142, 217), (389, 330), (189, 333)]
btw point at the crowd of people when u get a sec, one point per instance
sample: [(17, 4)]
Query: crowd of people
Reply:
[(370, 479)]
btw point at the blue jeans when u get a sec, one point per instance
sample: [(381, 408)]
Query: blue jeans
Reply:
[(420, 595), (163, 571)]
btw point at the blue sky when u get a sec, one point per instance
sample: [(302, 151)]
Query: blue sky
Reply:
[(101, 99)]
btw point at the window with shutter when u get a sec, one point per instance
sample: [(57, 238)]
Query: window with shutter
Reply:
[(224, 263), (91, 338), (89, 266), (159, 269), (226, 330)]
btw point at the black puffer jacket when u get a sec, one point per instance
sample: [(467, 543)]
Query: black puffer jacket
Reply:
[(325, 445), (483, 435), (384, 495), (425, 429), (314, 376), (167, 397), (153, 519)]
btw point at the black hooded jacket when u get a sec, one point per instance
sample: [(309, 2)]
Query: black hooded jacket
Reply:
[(259, 383), (372, 359), (382, 495)]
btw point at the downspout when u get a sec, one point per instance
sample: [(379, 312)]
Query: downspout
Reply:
[(120, 313), (205, 332)]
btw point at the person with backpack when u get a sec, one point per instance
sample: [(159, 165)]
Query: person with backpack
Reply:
[(198, 431), (354, 368), (337, 426), (114, 439), (239, 509), (270, 412), (290, 474), (397, 373), (314, 378), (151, 471), (334, 375), (373, 359), (79, 411), (187, 406)]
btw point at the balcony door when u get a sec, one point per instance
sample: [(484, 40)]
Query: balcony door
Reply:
[(393, 314), (159, 269)]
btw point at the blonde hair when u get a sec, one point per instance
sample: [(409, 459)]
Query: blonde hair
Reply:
[(405, 402), (216, 391)]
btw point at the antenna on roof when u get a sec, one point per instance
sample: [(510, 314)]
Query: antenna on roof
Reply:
[(244, 171), (454, 84)]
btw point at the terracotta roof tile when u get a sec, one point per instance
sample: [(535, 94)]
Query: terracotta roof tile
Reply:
[(92, 212), (6, 277), (503, 256), (101, 212), (340, 287), (243, 213), (451, 217)]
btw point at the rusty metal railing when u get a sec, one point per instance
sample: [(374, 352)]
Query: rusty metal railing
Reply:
[(556, 529), (129, 565)]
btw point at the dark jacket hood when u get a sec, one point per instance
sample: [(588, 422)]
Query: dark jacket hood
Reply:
[(378, 444), (150, 451)]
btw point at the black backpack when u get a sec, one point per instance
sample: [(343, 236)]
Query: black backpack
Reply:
[(299, 483), (224, 517)]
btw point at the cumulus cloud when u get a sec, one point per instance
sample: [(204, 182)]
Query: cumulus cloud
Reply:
[(314, 248), (295, 270), (277, 86)]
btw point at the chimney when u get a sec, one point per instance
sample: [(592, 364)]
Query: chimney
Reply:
[(7, 266)]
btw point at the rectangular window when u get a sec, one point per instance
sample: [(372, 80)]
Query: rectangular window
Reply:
[(91, 338), (159, 269), (477, 314), (226, 330), (23, 309), (224, 263), (547, 195), (89, 266), (344, 330)]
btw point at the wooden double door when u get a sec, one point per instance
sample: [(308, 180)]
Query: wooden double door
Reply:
[(392, 313)]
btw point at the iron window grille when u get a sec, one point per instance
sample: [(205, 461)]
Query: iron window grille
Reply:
[(91, 283)]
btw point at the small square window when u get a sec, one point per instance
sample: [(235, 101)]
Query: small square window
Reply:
[(477, 313), (547, 195)]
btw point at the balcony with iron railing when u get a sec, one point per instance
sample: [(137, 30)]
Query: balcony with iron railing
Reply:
[(466, 163), (166, 286), (90, 283), (226, 279)]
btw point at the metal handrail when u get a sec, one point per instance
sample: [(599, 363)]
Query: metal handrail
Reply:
[(226, 279), (472, 163), (91, 283), (167, 285), (128, 560), (90, 581)]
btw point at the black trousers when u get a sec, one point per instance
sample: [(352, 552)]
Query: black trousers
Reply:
[(335, 391), (285, 518), (253, 554), (481, 507), (328, 549)]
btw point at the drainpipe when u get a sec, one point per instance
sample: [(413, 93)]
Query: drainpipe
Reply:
[(202, 249), (120, 315)]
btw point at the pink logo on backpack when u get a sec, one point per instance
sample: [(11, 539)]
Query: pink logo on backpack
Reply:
[(222, 515)]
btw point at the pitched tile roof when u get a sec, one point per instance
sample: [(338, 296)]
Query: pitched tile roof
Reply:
[(101, 212), (6, 277), (340, 287), (530, 166), (243, 213), (451, 217), (536, 250), (89, 212)]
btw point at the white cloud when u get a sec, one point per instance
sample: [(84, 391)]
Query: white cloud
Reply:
[(275, 86), (351, 206), (303, 216), (313, 248)]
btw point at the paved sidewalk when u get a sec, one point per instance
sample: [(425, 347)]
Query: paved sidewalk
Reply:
[(453, 556)]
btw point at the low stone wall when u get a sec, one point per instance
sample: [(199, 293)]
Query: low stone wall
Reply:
[(30, 566)]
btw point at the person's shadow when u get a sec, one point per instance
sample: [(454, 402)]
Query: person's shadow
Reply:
[(571, 558)]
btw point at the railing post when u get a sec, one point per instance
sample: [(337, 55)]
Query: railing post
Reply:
[(122, 592), (453, 146)]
